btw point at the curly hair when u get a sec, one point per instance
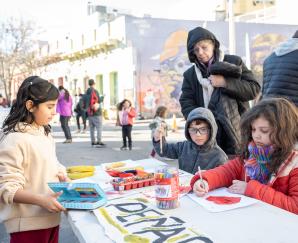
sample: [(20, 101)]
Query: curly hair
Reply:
[(37, 90), (161, 111), (282, 116)]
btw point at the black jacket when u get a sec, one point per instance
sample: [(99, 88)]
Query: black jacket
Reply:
[(280, 75), (227, 104)]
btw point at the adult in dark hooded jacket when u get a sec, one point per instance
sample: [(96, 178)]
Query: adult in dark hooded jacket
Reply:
[(190, 155), (280, 76), (219, 82)]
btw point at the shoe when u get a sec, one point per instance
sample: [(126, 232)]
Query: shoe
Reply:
[(68, 141), (83, 131), (123, 148), (100, 143), (78, 131), (130, 148)]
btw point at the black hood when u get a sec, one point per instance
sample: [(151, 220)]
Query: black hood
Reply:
[(196, 35), (205, 115)]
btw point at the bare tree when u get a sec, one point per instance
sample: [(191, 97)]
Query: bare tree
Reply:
[(18, 47)]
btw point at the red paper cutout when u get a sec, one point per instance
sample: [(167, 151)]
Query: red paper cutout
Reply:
[(223, 199)]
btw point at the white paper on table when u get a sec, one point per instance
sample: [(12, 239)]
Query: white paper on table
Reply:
[(213, 207)]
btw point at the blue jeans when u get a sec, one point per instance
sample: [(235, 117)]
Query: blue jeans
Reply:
[(95, 122)]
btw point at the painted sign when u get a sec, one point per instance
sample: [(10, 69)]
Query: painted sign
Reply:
[(135, 220)]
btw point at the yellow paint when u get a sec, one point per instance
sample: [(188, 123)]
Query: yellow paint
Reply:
[(136, 239), (147, 217), (193, 231), (176, 238), (111, 221), (140, 199)]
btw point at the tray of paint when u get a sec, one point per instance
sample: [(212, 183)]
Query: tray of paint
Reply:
[(131, 179), (79, 195)]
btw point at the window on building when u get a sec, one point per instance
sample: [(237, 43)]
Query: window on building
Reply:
[(99, 83), (113, 88)]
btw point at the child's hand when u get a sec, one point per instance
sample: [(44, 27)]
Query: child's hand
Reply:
[(200, 188), (62, 177), (158, 133), (51, 203), (238, 187)]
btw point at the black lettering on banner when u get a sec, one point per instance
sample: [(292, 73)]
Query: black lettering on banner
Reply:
[(141, 215), (125, 207), (201, 238), (160, 222), (159, 233)]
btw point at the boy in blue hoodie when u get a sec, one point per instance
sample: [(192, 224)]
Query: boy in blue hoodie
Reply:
[(200, 148)]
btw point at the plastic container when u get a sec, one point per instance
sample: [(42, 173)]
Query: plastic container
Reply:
[(167, 187), (124, 184)]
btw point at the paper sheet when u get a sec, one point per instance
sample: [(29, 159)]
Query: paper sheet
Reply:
[(212, 207)]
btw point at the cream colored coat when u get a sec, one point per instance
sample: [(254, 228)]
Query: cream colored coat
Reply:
[(27, 161)]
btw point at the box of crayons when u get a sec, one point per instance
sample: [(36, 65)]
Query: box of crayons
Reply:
[(79, 195)]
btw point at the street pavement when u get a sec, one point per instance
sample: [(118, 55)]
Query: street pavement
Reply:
[(80, 152)]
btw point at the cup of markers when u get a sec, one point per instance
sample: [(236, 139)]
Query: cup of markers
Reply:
[(167, 187)]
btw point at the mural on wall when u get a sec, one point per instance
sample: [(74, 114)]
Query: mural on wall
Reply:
[(262, 46), (161, 55), (165, 81)]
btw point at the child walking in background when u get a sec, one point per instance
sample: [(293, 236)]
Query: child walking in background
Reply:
[(159, 121), (81, 112), (64, 108), (200, 148), (126, 113), (268, 166), (28, 208)]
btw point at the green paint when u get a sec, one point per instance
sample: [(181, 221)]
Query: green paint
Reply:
[(174, 239), (111, 221), (135, 239)]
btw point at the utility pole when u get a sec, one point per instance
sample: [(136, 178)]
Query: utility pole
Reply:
[(232, 47)]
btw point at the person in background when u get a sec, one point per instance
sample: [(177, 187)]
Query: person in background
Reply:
[(3, 102), (81, 112), (28, 207), (219, 82), (92, 105), (280, 71), (200, 148), (158, 121), (126, 114), (64, 108), (267, 169)]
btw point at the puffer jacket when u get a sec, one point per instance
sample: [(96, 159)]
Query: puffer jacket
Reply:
[(280, 75), (189, 154), (227, 104), (281, 191)]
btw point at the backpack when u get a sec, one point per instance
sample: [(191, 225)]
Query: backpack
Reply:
[(94, 103)]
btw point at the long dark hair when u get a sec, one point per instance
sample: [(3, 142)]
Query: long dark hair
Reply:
[(120, 105), (37, 90), (66, 92), (282, 115)]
